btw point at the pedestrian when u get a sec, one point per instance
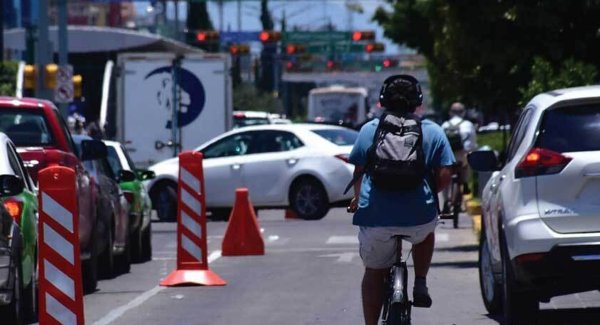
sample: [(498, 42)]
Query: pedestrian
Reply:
[(381, 212)]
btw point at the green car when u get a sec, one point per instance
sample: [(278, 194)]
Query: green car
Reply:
[(130, 179), (18, 238)]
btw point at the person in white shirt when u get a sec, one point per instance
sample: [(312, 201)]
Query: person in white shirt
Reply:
[(462, 136)]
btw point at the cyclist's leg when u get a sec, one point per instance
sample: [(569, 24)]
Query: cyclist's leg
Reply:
[(377, 250), (423, 246)]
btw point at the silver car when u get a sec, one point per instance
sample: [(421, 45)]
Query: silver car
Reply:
[(541, 212)]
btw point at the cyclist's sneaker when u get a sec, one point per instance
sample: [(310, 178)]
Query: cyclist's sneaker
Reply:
[(421, 296)]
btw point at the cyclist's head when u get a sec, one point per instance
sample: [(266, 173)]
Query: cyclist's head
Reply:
[(401, 93), (457, 109)]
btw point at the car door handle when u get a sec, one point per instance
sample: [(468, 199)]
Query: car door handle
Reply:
[(292, 161), (236, 166)]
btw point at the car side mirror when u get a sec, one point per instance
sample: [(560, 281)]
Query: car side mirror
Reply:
[(146, 175), (483, 161), (126, 176), (93, 150), (11, 185)]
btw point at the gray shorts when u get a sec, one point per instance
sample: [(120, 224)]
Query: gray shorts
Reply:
[(378, 246)]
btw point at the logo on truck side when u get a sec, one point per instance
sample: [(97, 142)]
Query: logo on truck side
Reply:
[(192, 94)]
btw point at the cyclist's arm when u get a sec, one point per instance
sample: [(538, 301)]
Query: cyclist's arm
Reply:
[(358, 171), (443, 177)]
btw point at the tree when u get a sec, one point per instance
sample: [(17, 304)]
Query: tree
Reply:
[(199, 19), (481, 52), (268, 54)]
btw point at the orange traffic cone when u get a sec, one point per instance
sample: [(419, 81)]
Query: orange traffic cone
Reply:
[(242, 236), (290, 214)]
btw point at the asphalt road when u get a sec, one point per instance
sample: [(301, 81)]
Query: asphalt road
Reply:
[(310, 274)]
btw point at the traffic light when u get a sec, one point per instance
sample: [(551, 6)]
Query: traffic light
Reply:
[(51, 70), (290, 66), (374, 47), (269, 36), (207, 36), (331, 65), (77, 86), (29, 77), (292, 49), (239, 49), (390, 63), (365, 35)]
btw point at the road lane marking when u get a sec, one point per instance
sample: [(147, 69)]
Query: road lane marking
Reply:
[(342, 240), (120, 311), (342, 257), (442, 237), (272, 238)]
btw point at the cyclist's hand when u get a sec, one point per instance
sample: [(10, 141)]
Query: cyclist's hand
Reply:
[(353, 206)]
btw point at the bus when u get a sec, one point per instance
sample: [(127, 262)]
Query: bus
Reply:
[(339, 105)]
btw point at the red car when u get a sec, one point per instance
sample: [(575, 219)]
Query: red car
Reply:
[(42, 138)]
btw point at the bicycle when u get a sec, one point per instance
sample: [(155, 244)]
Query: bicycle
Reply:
[(453, 202), (397, 307)]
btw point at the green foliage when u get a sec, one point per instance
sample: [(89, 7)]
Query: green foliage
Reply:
[(8, 75), (544, 77), (481, 52), (247, 98), (198, 17), (495, 140)]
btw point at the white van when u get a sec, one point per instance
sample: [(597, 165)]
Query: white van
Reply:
[(338, 105)]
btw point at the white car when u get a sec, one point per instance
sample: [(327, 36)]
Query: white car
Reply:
[(297, 165), (541, 209)]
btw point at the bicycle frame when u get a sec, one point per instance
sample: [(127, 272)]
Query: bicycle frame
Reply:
[(397, 306)]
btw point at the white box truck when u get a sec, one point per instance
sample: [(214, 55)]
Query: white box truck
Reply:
[(147, 99)]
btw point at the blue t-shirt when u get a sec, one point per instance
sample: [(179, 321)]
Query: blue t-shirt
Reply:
[(378, 208)]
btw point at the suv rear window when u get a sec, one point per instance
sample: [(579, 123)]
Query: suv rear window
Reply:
[(341, 137), (571, 129), (25, 128)]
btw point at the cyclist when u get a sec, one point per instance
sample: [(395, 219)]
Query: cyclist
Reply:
[(381, 214), (462, 136)]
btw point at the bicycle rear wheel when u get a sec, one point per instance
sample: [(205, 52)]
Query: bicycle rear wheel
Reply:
[(398, 314), (397, 308)]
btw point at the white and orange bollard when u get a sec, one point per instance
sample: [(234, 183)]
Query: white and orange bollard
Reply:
[(60, 286), (192, 260)]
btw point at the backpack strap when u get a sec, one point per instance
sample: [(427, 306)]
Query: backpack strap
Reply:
[(370, 154)]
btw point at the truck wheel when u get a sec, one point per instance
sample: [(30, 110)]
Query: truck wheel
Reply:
[(147, 244), (106, 265), (135, 242), (89, 268), (164, 200), (309, 199)]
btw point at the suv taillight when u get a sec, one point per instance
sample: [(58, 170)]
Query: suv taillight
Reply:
[(540, 161)]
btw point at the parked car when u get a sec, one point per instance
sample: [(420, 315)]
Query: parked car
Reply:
[(113, 208), (18, 238), (41, 136), (248, 118), (140, 206), (541, 218), (303, 166)]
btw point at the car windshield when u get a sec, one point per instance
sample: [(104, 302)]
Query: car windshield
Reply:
[(571, 129), (341, 137), (239, 122), (25, 128)]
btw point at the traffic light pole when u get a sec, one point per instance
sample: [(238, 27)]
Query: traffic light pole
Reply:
[(63, 47), (43, 49)]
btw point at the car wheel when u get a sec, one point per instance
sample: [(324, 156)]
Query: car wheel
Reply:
[(123, 261), (491, 290), (309, 199), (13, 312), (164, 200), (220, 214), (520, 307), (106, 262), (30, 296), (147, 244), (135, 242), (89, 268)]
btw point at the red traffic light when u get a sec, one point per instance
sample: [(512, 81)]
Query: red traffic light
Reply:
[(206, 36), (269, 36), (374, 47), (292, 49), (358, 36), (289, 66), (330, 65), (387, 63), (239, 49)]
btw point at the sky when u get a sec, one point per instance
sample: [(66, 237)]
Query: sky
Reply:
[(306, 14)]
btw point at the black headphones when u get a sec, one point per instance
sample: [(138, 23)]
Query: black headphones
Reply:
[(401, 87)]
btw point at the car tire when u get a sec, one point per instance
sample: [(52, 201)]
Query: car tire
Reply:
[(89, 268), (491, 289), (220, 214), (146, 244), (164, 200), (308, 199), (135, 242), (30, 295), (520, 307), (13, 312), (106, 261), (123, 261)]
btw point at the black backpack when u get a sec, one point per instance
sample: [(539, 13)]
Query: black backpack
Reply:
[(395, 160)]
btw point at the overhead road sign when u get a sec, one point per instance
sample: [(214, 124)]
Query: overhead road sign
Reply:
[(239, 37), (315, 37)]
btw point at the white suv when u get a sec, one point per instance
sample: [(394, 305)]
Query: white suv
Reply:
[(540, 233)]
